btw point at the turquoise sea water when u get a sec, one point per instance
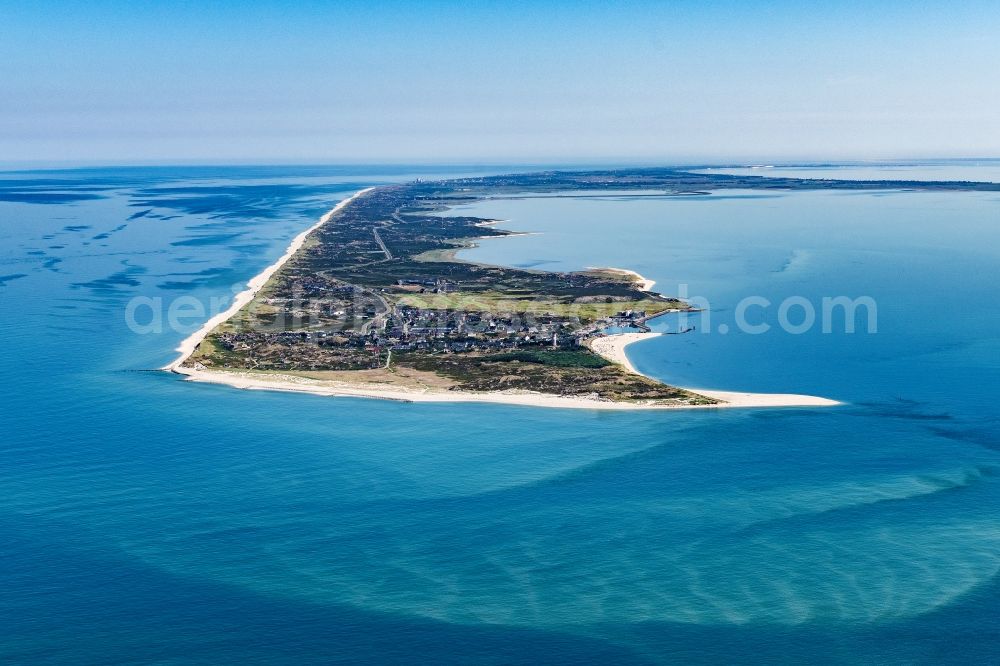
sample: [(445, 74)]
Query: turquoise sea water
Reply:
[(147, 520)]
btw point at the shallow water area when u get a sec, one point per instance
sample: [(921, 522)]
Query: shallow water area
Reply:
[(148, 519)]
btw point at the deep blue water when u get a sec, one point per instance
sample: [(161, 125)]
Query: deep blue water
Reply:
[(147, 520)]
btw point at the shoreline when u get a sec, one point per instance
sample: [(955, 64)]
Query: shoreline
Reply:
[(645, 284), (254, 285), (248, 380), (611, 347)]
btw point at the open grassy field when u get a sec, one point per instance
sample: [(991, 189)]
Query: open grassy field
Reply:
[(505, 301)]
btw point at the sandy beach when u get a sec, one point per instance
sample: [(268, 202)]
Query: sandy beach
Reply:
[(644, 283), (190, 343), (611, 347), (278, 382)]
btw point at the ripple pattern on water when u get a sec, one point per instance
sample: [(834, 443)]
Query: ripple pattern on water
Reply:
[(847, 553)]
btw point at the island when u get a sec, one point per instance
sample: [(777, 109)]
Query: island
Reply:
[(372, 301)]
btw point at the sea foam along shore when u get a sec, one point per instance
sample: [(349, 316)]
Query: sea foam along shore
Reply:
[(611, 347), (256, 283)]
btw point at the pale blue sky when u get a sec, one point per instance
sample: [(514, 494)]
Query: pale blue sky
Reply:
[(550, 82)]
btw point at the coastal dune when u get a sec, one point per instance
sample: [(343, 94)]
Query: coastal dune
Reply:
[(611, 347), (254, 285), (291, 383), (295, 384)]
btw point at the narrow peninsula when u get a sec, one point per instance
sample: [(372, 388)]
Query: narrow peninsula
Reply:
[(373, 302)]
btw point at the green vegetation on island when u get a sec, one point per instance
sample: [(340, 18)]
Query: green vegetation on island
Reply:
[(378, 288)]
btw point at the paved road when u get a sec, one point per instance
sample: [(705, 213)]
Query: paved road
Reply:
[(378, 239)]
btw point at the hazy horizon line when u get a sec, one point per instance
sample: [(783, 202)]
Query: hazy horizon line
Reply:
[(623, 162)]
